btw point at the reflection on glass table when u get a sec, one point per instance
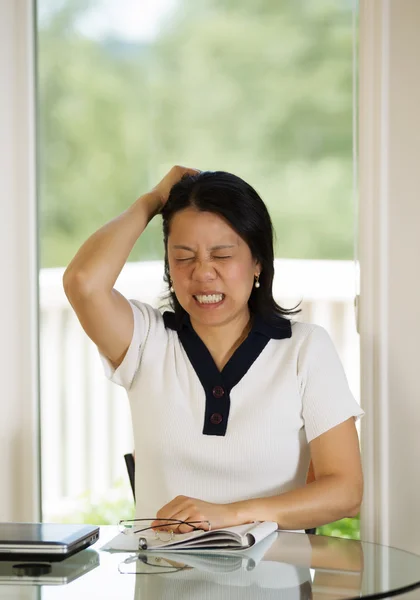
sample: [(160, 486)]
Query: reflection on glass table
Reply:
[(286, 565), (40, 572)]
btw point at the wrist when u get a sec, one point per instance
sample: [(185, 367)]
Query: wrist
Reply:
[(151, 201), (243, 512)]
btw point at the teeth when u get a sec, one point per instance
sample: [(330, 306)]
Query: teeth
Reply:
[(210, 299)]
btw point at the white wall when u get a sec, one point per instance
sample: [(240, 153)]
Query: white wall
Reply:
[(18, 303), (390, 271)]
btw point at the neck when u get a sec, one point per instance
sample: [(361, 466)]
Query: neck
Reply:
[(223, 340)]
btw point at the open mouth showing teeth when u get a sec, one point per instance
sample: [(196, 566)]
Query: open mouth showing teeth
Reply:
[(210, 298)]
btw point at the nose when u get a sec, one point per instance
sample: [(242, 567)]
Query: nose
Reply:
[(203, 271)]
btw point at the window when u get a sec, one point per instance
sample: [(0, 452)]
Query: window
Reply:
[(126, 90)]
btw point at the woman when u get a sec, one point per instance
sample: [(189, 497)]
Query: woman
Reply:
[(230, 399)]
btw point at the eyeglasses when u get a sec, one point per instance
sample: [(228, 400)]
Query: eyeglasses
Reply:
[(140, 564), (128, 527)]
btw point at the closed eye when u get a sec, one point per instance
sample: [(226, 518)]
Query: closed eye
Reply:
[(192, 258)]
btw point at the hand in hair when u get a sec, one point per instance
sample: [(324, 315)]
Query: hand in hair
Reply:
[(163, 188)]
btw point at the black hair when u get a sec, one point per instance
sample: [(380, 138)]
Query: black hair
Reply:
[(240, 205)]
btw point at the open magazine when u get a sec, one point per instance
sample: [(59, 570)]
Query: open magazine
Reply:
[(237, 538)]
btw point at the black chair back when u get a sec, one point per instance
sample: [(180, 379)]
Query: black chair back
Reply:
[(129, 463)]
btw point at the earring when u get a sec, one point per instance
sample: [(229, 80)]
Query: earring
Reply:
[(171, 289), (257, 280)]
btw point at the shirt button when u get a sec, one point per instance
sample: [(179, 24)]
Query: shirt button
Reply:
[(216, 418), (218, 391)]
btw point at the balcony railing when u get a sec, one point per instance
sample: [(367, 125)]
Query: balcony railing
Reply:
[(85, 420)]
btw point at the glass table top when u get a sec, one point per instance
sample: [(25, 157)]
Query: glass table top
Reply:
[(284, 565)]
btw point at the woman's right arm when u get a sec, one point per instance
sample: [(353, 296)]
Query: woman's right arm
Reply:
[(88, 281), (105, 315)]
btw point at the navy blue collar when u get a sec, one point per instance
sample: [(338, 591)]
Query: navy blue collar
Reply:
[(218, 385), (277, 328)]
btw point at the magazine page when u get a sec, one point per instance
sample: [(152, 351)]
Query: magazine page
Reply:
[(129, 542), (229, 537), (261, 530), (220, 561)]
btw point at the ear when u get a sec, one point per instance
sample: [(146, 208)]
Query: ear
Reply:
[(258, 268)]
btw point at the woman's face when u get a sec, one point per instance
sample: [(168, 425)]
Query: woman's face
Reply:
[(211, 267)]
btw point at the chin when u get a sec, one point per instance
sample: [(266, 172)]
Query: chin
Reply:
[(212, 318), (209, 318)]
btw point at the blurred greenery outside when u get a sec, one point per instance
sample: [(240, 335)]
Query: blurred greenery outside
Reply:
[(259, 88)]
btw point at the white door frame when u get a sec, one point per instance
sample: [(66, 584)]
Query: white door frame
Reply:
[(19, 443), (389, 254)]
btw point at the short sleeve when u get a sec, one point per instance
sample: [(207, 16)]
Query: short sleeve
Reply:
[(327, 400), (124, 374)]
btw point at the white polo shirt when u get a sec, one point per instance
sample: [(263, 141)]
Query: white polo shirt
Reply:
[(232, 435)]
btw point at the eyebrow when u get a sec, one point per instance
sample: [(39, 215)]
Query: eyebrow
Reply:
[(219, 247)]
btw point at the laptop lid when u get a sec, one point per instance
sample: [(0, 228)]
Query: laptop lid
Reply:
[(51, 541)]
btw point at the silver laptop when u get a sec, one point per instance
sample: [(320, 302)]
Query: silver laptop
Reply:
[(44, 541)]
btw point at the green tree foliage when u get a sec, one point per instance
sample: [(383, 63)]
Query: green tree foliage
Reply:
[(260, 88), (345, 528)]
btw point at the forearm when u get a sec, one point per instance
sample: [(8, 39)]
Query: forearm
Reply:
[(101, 258), (324, 501)]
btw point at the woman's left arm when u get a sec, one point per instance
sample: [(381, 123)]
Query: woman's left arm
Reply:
[(336, 492)]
